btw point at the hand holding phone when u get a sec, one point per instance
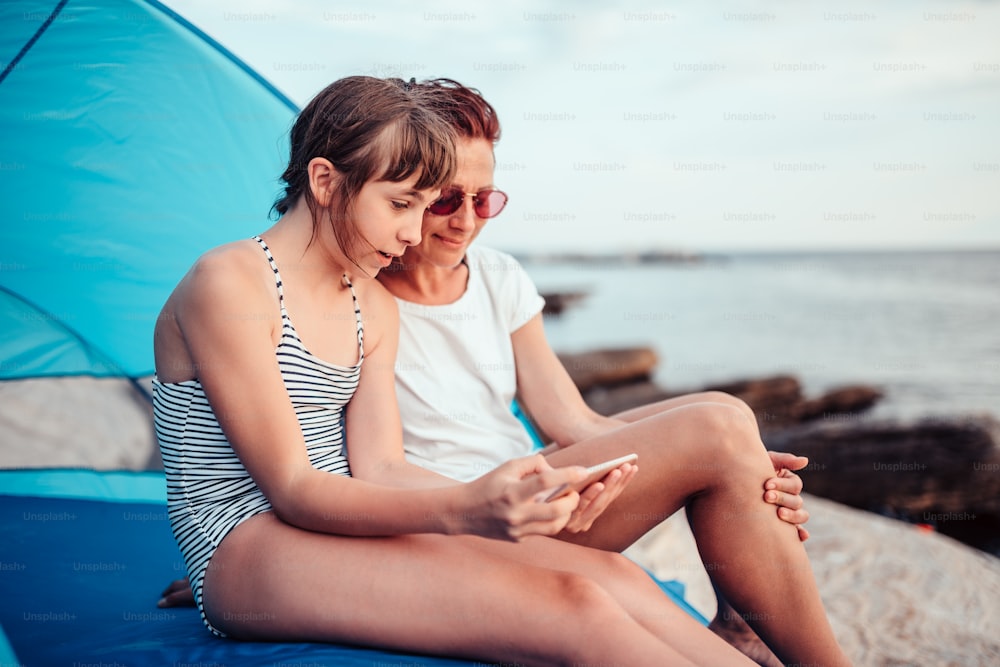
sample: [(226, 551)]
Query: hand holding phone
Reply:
[(595, 473)]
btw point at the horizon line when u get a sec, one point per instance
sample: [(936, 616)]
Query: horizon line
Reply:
[(690, 252)]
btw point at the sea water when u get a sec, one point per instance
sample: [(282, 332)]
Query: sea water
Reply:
[(923, 327)]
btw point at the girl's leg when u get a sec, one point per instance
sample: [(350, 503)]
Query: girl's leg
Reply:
[(631, 587), (709, 457), (420, 593)]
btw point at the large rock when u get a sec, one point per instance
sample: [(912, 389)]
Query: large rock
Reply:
[(612, 400), (778, 401), (839, 401), (895, 594), (557, 302), (609, 366), (771, 397), (942, 472), (898, 595)]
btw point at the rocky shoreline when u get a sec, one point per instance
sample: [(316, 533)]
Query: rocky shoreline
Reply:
[(942, 473)]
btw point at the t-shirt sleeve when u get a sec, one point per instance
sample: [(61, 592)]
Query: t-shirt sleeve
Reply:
[(529, 301), (514, 293)]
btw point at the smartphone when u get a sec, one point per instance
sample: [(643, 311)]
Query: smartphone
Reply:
[(595, 473)]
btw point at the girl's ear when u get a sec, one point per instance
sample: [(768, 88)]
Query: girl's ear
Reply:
[(323, 180)]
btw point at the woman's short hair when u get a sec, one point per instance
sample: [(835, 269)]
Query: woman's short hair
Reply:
[(465, 109)]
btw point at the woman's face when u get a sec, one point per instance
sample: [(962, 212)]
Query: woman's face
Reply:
[(445, 238)]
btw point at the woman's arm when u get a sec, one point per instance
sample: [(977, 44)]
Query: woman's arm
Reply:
[(553, 400), (548, 392)]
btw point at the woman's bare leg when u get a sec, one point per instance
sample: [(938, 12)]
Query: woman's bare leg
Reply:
[(650, 409), (709, 458), (420, 593), (727, 623)]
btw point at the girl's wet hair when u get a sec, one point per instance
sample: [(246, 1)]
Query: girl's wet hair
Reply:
[(471, 116), (369, 129)]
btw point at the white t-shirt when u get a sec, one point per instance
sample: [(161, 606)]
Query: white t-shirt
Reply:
[(455, 375)]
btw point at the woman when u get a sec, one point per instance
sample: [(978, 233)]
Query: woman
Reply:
[(479, 306), (330, 522)]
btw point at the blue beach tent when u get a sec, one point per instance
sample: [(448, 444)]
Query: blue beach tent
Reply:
[(131, 142)]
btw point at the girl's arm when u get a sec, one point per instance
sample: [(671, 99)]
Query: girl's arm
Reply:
[(373, 414), (227, 316)]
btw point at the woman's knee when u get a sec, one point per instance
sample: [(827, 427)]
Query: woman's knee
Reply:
[(726, 432), (723, 398)]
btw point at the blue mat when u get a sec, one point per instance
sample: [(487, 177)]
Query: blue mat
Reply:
[(83, 558)]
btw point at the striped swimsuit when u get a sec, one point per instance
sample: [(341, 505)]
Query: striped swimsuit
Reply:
[(209, 492)]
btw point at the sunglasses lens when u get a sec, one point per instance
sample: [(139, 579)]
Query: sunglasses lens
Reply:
[(490, 203), (447, 203), (487, 203)]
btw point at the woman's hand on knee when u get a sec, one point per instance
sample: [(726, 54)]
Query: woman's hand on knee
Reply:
[(510, 502), (785, 488)]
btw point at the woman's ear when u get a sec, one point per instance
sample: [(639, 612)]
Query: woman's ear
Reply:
[(323, 180)]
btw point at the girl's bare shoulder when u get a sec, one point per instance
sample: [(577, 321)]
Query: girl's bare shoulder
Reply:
[(234, 276), (244, 257)]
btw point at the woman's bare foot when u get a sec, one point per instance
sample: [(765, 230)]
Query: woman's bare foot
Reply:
[(177, 594)]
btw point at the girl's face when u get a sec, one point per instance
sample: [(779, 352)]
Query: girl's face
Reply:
[(447, 237), (389, 216)]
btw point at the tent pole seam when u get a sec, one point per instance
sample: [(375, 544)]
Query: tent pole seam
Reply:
[(75, 335), (31, 42)]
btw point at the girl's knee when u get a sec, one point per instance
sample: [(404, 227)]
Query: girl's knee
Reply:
[(623, 569), (622, 578), (580, 602)]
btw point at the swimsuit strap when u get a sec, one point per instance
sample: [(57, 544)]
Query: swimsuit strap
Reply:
[(277, 276), (357, 318), (281, 297)]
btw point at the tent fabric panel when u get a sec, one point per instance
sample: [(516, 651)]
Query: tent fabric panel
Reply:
[(113, 486), (33, 342), (138, 145)]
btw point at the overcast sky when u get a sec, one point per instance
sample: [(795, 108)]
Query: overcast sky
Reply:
[(702, 127)]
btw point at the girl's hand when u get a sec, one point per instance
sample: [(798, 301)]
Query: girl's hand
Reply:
[(598, 496), (509, 502)]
